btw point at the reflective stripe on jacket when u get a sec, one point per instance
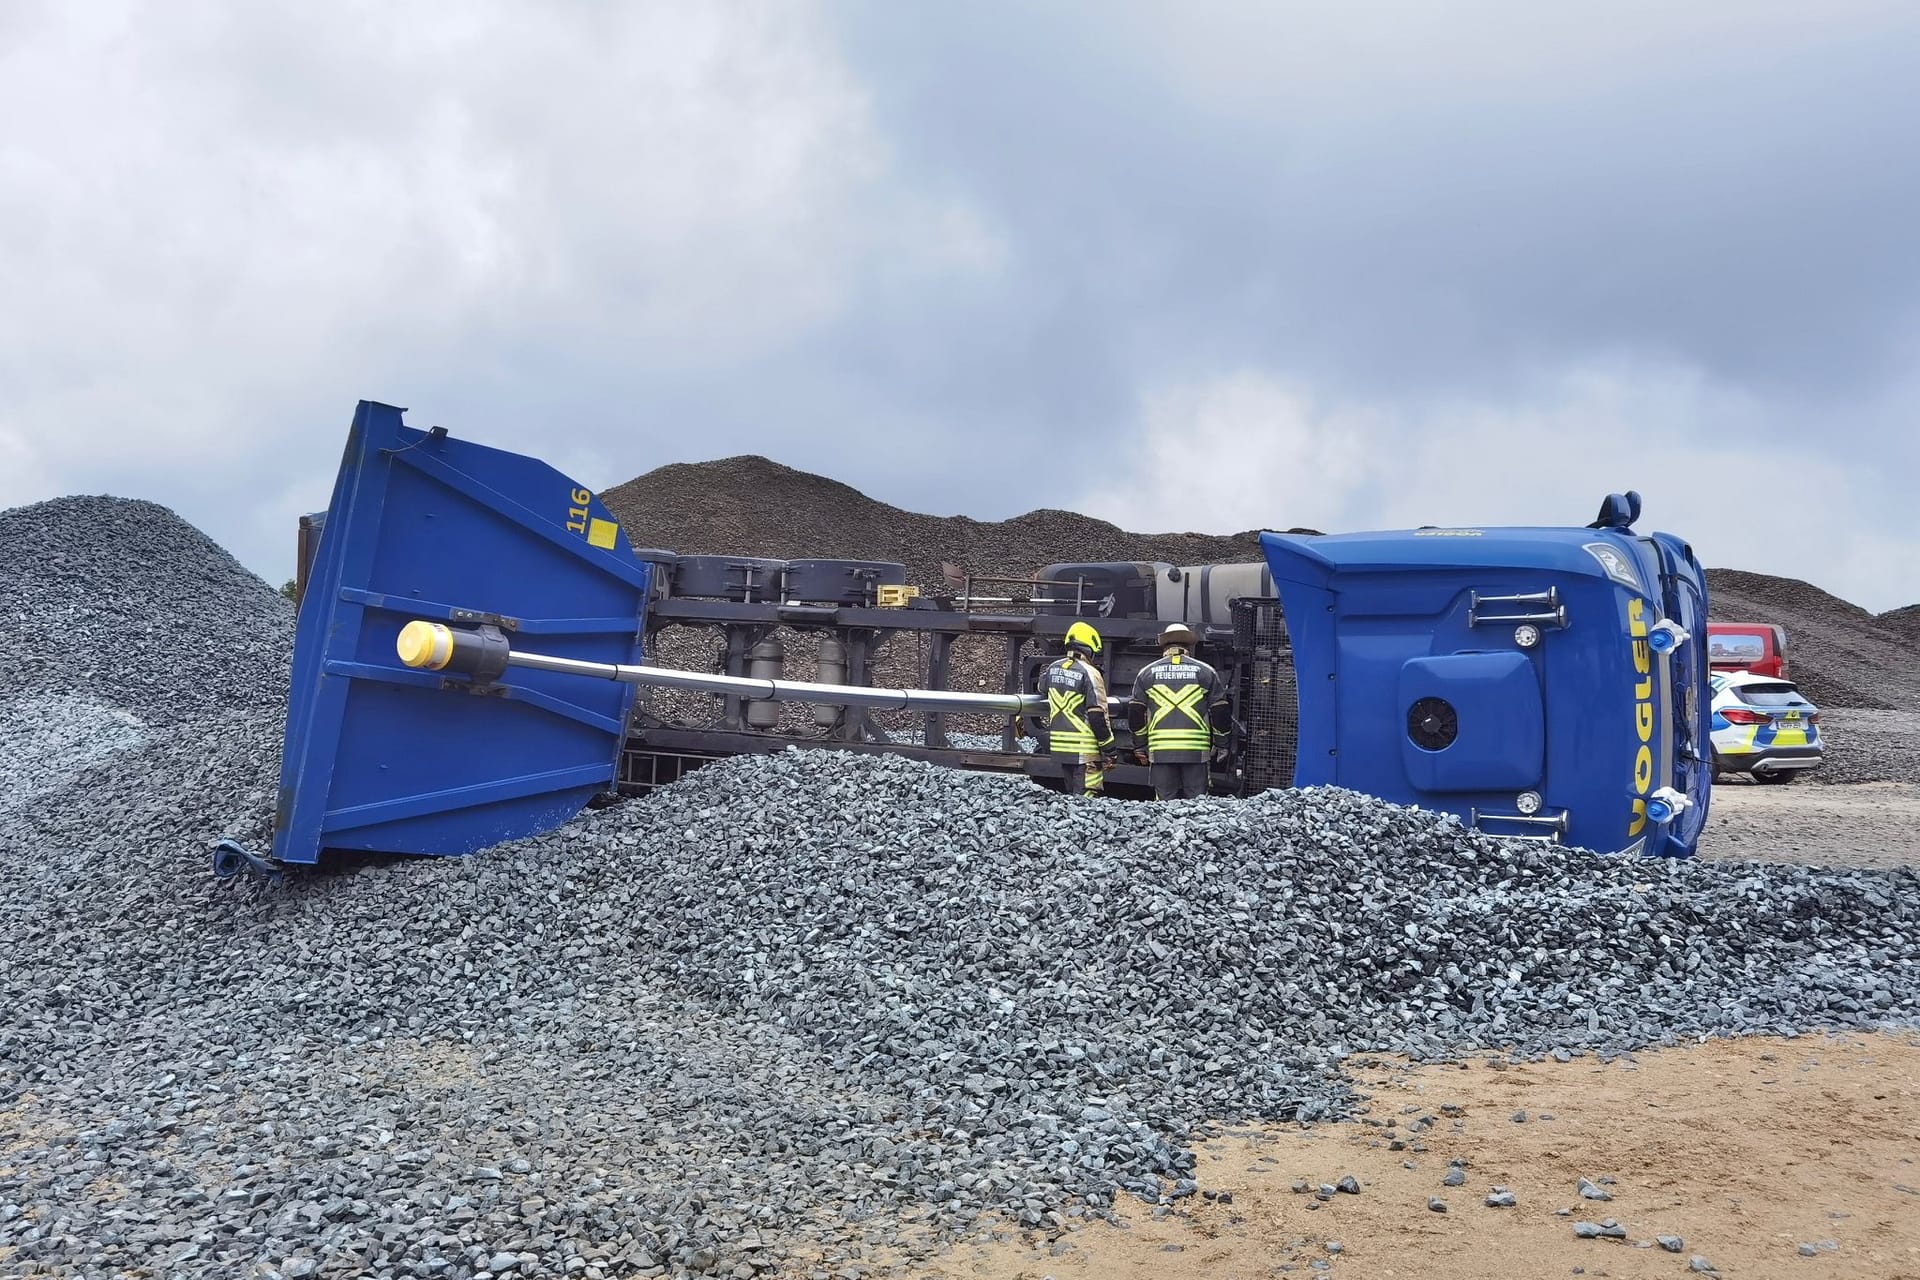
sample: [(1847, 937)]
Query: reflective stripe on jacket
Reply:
[(1076, 708), (1175, 701)]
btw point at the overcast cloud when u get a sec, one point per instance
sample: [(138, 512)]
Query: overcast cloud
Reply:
[(1364, 265)]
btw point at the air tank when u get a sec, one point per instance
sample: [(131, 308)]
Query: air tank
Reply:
[(765, 661), (833, 670)]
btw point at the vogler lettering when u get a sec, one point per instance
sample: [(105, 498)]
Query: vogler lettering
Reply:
[(1642, 713)]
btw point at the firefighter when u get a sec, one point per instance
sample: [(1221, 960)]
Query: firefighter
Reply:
[(1077, 725), (1179, 705)]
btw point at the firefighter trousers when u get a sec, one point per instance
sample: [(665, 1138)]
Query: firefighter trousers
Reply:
[(1179, 781), (1084, 777)]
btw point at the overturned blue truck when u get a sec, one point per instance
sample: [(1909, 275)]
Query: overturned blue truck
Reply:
[(472, 663)]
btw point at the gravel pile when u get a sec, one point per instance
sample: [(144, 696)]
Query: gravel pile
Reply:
[(1869, 746), (123, 603), (47, 742), (1904, 623), (1863, 671), (795, 1011), (1841, 655), (752, 505), (802, 998)]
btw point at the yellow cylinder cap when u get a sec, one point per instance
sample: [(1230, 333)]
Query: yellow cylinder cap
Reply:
[(425, 644)]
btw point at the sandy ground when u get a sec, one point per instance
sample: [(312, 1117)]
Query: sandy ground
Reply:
[(1871, 824), (1746, 1149)]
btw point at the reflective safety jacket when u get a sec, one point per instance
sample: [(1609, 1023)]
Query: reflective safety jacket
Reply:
[(1178, 702), (1076, 707)]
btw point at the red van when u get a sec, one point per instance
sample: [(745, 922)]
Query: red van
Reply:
[(1760, 647)]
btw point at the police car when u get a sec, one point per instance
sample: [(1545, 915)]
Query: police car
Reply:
[(1765, 727)]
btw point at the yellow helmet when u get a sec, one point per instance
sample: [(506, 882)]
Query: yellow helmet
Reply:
[(1082, 635)]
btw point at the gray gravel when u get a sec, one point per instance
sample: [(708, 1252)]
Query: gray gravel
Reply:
[(48, 741), (1840, 654), (796, 1007), (123, 603), (1904, 622), (1869, 746)]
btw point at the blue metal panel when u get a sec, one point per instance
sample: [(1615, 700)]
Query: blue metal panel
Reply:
[(1596, 725), (1501, 745), (381, 757), (1685, 585)]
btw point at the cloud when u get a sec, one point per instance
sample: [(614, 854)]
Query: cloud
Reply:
[(1241, 452), (922, 248), (1266, 453), (1408, 196), (222, 225)]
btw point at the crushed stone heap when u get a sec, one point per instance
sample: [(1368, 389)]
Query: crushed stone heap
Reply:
[(794, 1007), (1841, 655)]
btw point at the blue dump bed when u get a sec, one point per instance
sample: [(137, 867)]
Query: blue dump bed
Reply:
[(381, 757), (1513, 677)]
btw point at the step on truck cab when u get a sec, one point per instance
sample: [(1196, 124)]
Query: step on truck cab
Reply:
[(1541, 682)]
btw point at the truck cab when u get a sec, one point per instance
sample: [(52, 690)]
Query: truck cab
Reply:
[(1759, 647), (1536, 682)]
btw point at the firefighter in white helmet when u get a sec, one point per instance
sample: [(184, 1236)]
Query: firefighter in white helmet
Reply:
[(1077, 726), (1178, 707)]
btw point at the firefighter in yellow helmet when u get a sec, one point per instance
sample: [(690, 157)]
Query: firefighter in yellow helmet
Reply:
[(1077, 725), (1178, 707)]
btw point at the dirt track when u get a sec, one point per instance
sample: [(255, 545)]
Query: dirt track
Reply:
[(1872, 824), (1746, 1150)]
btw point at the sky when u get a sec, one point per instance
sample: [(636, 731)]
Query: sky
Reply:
[(1184, 265)]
